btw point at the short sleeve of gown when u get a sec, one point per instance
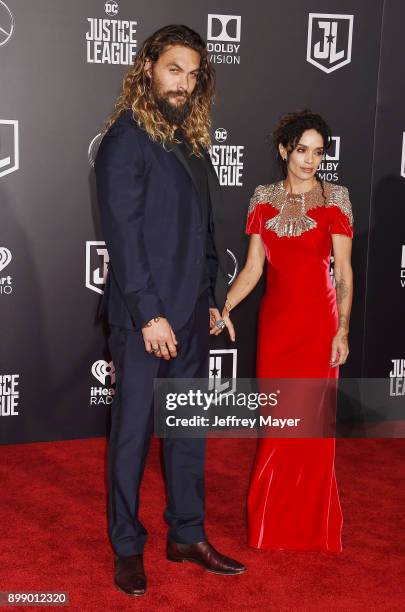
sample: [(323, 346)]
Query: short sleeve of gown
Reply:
[(253, 222), (341, 216)]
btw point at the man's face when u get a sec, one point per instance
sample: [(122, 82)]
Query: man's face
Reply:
[(174, 78)]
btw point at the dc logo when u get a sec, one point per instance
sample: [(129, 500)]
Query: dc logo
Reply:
[(101, 369), (334, 151), (97, 261), (6, 24), (223, 368), (93, 149), (9, 152), (403, 156), (234, 267), (5, 258), (111, 8), (329, 44), (220, 135), (224, 28)]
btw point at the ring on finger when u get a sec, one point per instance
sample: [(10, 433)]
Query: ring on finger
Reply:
[(220, 324)]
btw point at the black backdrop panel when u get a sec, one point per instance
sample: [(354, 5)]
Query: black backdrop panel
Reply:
[(61, 80), (384, 353)]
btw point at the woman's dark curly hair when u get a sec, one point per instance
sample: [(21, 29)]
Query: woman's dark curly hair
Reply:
[(290, 129)]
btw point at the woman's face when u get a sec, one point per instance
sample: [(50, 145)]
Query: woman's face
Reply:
[(305, 159)]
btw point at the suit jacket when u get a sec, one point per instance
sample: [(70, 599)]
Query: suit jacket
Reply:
[(151, 217)]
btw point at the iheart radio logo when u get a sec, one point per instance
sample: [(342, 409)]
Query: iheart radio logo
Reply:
[(5, 258)]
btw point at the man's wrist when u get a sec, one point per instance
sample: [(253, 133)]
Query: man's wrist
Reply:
[(152, 321)]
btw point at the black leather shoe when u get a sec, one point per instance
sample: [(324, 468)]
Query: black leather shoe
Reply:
[(130, 575), (205, 555)]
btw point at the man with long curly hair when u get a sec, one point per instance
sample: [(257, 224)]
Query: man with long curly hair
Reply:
[(162, 219)]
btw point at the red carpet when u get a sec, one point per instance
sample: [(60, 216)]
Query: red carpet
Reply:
[(53, 534)]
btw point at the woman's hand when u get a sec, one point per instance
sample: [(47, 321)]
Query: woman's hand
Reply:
[(214, 317), (340, 348)]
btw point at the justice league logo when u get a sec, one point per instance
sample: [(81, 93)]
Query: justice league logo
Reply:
[(97, 260), (6, 24), (397, 378), (329, 44), (111, 41), (9, 394), (222, 372), (9, 152), (227, 160)]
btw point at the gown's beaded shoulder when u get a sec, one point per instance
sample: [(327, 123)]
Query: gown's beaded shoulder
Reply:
[(338, 195), (263, 194)]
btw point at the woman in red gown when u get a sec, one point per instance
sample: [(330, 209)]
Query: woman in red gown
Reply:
[(293, 500)]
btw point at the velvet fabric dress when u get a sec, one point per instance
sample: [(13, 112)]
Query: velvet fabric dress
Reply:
[(293, 500)]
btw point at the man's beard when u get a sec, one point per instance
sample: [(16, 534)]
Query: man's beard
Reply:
[(173, 114)]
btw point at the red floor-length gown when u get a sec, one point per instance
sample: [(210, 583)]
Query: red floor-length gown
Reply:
[(293, 500)]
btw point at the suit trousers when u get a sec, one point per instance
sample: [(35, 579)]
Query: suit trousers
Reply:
[(132, 427)]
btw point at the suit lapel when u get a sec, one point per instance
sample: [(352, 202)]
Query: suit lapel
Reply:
[(215, 191), (178, 153), (213, 184)]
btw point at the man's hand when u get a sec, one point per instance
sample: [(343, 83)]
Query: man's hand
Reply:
[(159, 339), (214, 317)]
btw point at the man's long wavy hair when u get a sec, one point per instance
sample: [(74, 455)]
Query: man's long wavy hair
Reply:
[(137, 94)]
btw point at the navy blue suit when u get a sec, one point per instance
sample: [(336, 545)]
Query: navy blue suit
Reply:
[(154, 229), (152, 223)]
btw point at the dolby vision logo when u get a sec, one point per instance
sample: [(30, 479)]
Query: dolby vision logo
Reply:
[(224, 28)]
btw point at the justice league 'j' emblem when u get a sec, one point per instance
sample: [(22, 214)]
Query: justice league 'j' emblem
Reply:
[(329, 44), (222, 374), (9, 153), (97, 261)]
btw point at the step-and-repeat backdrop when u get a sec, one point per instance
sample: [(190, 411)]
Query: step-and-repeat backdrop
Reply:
[(61, 67)]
